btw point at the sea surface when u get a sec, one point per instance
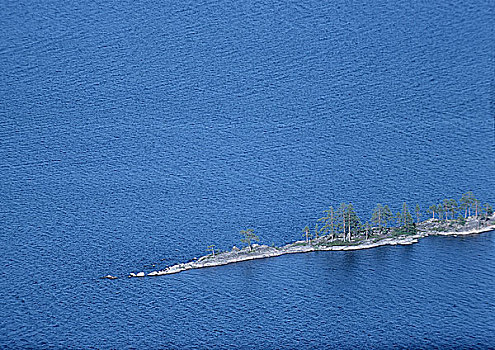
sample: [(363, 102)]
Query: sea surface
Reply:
[(134, 134)]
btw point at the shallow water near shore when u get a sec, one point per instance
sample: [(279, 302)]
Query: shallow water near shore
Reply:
[(133, 137)]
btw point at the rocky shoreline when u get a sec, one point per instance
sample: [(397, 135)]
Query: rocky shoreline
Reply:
[(264, 251), (426, 228)]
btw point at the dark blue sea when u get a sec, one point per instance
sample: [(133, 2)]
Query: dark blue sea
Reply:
[(134, 134)]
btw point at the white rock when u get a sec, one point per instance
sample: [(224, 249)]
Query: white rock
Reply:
[(110, 277), (140, 274)]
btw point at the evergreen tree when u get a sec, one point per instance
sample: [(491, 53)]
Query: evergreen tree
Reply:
[(440, 211), (387, 216), (329, 222), (417, 210), (488, 211), (407, 220), (477, 209), (466, 202), (342, 219), (450, 206), (353, 222), (476, 206), (211, 248), (367, 229), (317, 231), (432, 210), (398, 218), (446, 208), (306, 233), (249, 237), (332, 223), (453, 207), (377, 217)]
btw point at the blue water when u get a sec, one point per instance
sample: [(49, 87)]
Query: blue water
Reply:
[(135, 134)]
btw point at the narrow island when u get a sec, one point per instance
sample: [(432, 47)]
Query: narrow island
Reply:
[(341, 229)]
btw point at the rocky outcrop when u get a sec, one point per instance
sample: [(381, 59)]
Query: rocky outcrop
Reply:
[(109, 277), (264, 251), (472, 225)]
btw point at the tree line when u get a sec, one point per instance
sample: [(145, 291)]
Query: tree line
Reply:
[(468, 204), (344, 223)]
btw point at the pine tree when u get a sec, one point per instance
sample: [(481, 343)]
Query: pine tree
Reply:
[(398, 219), (353, 222), (367, 229), (440, 211), (332, 223), (377, 217), (446, 208), (329, 222), (386, 216), (407, 220), (476, 206), (249, 237), (211, 248), (453, 207), (432, 210), (342, 219), (488, 210), (306, 233), (317, 231), (466, 203), (417, 210)]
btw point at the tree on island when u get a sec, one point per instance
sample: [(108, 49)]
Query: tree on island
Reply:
[(440, 211), (211, 248), (367, 229), (407, 220), (348, 221), (477, 206), (249, 237), (381, 216), (432, 210), (466, 203), (417, 210), (317, 231), (305, 231), (449, 205), (342, 219), (453, 207), (488, 210), (329, 222), (353, 223), (387, 215), (447, 208), (398, 219), (377, 217)]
